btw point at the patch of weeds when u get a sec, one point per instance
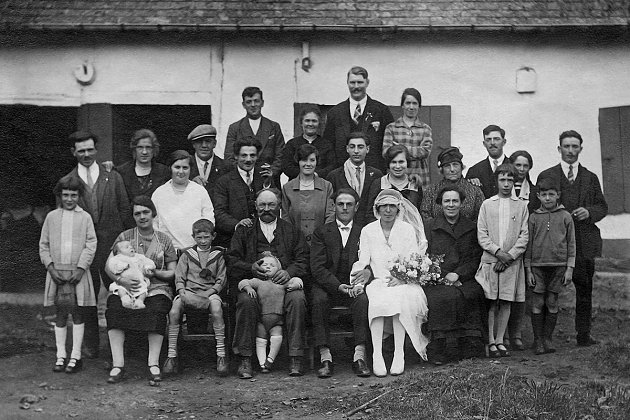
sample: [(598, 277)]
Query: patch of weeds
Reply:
[(479, 391), (613, 357)]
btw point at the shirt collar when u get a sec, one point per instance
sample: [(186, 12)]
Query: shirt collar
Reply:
[(340, 224), (352, 166), (500, 159), (565, 166), (201, 163), (362, 102), (270, 224), (244, 173)]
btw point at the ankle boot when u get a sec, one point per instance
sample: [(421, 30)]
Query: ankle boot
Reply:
[(550, 325), (538, 325)]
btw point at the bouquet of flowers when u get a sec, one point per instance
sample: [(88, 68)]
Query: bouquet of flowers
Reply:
[(423, 270)]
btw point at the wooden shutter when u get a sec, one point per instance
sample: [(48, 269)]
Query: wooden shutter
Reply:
[(614, 133)]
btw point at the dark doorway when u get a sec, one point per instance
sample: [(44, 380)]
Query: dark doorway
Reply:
[(170, 123), (34, 154)]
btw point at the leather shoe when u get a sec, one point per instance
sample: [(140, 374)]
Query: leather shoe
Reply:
[(171, 366), (74, 367), (60, 365), (295, 366), (114, 379), (245, 368), (326, 369), (155, 377), (361, 369), (222, 366), (587, 341)]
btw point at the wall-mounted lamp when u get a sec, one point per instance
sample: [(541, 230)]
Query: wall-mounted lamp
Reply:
[(306, 56), (526, 80)]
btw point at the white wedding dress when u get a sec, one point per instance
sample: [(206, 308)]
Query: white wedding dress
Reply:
[(407, 300)]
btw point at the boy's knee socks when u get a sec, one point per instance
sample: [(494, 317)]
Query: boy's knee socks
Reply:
[(173, 335), (261, 350), (219, 336), (275, 341), (60, 339), (77, 339)]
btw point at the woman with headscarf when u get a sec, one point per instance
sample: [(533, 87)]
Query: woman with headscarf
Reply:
[(393, 304)]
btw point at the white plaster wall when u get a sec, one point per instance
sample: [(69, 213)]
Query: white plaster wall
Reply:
[(476, 78)]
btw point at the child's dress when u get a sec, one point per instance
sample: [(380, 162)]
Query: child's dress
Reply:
[(68, 240), (502, 224)]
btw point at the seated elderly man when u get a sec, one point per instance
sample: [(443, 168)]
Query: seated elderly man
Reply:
[(285, 241)]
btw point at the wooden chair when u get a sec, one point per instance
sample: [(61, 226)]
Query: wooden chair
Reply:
[(336, 330)]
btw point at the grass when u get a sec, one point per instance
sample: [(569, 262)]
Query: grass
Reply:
[(474, 390), (613, 358), (23, 329)]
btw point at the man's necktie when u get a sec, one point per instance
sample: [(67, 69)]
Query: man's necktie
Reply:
[(357, 113), (495, 164), (90, 181), (570, 175), (358, 175), (205, 170), (248, 179)]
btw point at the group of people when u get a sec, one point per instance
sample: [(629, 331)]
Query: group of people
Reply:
[(182, 237)]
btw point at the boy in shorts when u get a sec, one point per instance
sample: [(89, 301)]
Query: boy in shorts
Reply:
[(549, 261), (199, 279), (271, 299)]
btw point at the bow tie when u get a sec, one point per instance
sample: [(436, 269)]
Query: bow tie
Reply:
[(344, 228)]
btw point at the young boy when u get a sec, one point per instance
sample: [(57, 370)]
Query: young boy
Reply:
[(199, 279), (126, 264), (271, 298), (549, 261), (503, 235)]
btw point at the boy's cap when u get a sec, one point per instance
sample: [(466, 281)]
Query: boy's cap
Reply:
[(201, 131), (452, 154)]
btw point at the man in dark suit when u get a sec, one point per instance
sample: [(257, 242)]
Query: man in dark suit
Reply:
[(105, 198), (234, 195), (582, 197), (334, 249), (482, 173), (268, 233), (358, 113), (267, 132), (206, 167), (354, 173)]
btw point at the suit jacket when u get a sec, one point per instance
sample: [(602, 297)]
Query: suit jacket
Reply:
[(375, 117), (269, 135), (587, 236), (113, 205), (326, 247), (338, 180), (233, 202), (483, 171), (217, 170), (292, 251)]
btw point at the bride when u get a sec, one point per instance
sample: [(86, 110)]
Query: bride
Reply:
[(393, 304)]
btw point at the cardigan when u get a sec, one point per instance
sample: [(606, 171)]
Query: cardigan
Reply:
[(308, 209)]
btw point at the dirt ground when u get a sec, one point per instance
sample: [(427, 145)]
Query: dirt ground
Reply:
[(27, 355)]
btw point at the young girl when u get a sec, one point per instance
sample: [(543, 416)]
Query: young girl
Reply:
[(66, 248), (502, 233), (271, 298)]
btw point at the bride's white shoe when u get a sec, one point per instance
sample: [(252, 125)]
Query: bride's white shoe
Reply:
[(398, 365), (378, 365)]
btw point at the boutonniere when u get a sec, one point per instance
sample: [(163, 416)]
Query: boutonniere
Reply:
[(371, 173), (376, 125), (368, 117)]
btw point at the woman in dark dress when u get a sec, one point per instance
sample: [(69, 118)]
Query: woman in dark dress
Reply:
[(158, 247), (310, 118), (143, 175), (456, 312), (397, 178)]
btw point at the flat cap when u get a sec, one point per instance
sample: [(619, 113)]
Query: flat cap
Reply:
[(201, 131), (452, 154)]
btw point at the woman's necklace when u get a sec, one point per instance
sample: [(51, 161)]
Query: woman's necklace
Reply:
[(142, 239), (306, 185)]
